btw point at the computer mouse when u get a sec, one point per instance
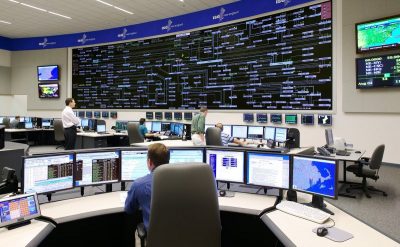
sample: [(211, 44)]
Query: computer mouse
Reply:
[(322, 231), (357, 152), (222, 193)]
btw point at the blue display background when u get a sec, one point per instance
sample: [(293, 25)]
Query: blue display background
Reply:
[(212, 16)]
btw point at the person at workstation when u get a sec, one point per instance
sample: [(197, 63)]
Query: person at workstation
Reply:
[(199, 127), (70, 123), (226, 138), (139, 195), (143, 130), (15, 122)]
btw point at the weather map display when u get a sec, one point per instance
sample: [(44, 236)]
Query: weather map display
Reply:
[(382, 71), (316, 176), (378, 34), (281, 61), (48, 73), (49, 90)]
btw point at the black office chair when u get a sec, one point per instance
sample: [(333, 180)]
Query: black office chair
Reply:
[(213, 136), (361, 170), (184, 207), (6, 122), (293, 138), (134, 134), (59, 133)]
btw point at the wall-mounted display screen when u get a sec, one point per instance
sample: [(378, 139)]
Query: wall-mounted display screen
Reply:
[(279, 62), (49, 90), (48, 73), (307, 119), (324, 119), (378, 34), (149, 115), (381, 71), (248, 117), (276, 118), (291, 118), (262, 117), (168, 115)]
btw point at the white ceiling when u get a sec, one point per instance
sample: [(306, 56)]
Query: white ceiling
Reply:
[(88, 15)]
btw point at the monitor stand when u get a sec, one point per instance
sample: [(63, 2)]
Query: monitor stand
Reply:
[(19, 224), (48, 197), (318, 202)]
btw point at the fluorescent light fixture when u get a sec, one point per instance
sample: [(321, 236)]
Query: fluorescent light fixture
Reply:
[(182, 1), (13, 1), (33, 7), (104, 3), (126, 11), (5, 22), (115, 7), (64, 16)]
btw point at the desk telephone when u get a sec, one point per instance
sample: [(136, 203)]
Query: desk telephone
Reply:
[(323, 151)]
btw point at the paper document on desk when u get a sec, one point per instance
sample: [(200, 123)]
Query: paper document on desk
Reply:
[(163, 137), (123, 195)]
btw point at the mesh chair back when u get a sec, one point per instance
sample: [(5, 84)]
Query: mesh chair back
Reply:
[(377, 157), (213, 136), (134, 134), (58, 130)]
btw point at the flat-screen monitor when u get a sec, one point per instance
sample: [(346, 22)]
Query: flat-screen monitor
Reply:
[(228, 129), (48, 73), (185, 155), (88, 114), (248, 117), (121, 125), (100, 128), (378, 34), (158, 115), (96, 114), (46, 122), (188, 116), (168, 115), (97, 168), (48, 173), (81, 114), (84, 122), (176, 129), (307, 119), (28, 125), (269, 170), (262, 117), (165, 126), (133, 164), (281, 134), (255, 132), (239, 131), (329, 137), (276, 118), (325, 119), (178, 115), (18, 209), (48, 90), (92, 124), (228, 166), (156, 126), (376, 72), (148, 126), (315, 176), (149, 115), (291, 118), (25, 119), (105, 114), (269, 133), (113, 114)]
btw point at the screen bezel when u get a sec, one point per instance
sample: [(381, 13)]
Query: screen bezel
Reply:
[(246, 165), (247, 131), (48, 155), (120, 153), (26, 218), (313, 193), (46, 66), (51, 83), (187, 148), (359, 51)]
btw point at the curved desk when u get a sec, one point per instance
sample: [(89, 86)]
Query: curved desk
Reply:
[(29, 235)]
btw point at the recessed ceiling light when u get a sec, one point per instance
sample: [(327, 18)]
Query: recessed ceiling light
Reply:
[(33, 7), (116, 7), (5, 22), (64, 16), (40, 9), (104, 3), (182, 1), (13, 1), (126, 11)]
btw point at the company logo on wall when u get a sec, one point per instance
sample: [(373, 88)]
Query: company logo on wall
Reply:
[(222, 14), (84, 39), (169, 26), (46, 43), (125, 33), (285, 2)]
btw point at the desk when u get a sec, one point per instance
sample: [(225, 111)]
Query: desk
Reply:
[(43, 138), (29, 235), (91, 140), (295, 231)]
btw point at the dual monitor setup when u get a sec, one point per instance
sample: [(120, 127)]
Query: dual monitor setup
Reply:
[(29, 122), (306, 119), (165, 128)]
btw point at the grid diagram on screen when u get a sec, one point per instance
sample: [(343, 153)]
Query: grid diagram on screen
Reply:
[(13, 209), (227, 165), (105, 170), (280, 62)]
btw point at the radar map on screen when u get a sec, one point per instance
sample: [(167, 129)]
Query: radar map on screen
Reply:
[(278, 62)]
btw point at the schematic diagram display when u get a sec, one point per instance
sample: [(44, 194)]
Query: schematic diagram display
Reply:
[(282, 61)]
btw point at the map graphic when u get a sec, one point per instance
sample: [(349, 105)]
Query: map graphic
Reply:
[(379, 34)]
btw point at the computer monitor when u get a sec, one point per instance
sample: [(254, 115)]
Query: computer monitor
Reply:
[(291, 118), (186, 155), (28, 125), (148, 125), (47, 173), (262, 117), (269, 133), (267, 169), (46, 123), (165, 126), (280, 135), (26, 119), (81, 114), (19, 208), (178, 115), (92, 124), (168, 115), (307, 119), (228, 166), (156, 126), (105, 114), (158, 115), (96, 114), (84, 122), (329, 137), (88, 114), (228, 129), (22, 119), (177, 129), (276, 118), (248, 117), (188, 116), (239, 131), (113, 114), (325, 119), (255, 132), (101, 128), (121, 125), (149, 115), (133, 164), (97, 168)]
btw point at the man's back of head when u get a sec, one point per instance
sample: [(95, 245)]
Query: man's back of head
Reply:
[(158, 154)]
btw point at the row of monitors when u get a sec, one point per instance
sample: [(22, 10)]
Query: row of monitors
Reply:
[(54, 172), (171, 128), (96, 114), (31, 122), (306, 119), (92, 124), (168, 115), (277, 134)]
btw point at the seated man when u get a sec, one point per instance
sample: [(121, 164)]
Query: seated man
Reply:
[(226, 138), (139, 194), (15, 122), (143, 130)]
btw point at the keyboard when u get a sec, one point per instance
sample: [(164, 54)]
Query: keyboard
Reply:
[(303, 211)]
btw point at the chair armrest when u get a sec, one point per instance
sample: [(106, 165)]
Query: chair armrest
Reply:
[(142, 233), (364, 161)]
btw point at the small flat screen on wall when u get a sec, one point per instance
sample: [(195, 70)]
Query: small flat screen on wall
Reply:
[(49, 90), (378, 34), (48, 73)]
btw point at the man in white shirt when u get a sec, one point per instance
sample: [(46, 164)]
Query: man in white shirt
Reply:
[(70, 121)]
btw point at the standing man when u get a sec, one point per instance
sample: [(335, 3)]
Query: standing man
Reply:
[(70, 121), (199, 126)]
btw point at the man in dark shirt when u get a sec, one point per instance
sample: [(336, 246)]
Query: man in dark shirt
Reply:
[(139, 195)]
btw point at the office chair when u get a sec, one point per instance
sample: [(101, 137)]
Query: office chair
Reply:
[(6, 122), (59, 133), (134, 134), (213, 136), (184, 207), (360, 170), (293, 136)]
